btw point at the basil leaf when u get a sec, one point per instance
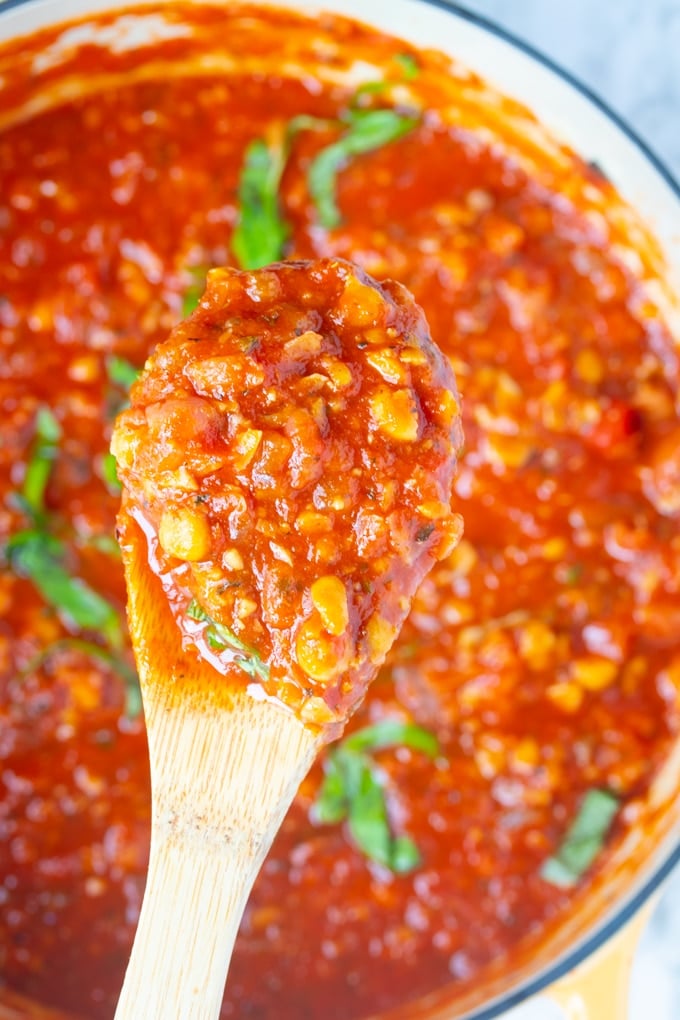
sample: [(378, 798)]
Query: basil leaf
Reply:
[(368, 130), (340, 786), (368, 822), (584, 839), (121, 372), (331, 804), (392, 733), (191, 298), (39, 467), (405, 855), (103, 543), (110, 473), (305, 122), (352, 790), (408, 64), (220, 638), (370, 88), (39, 557), (370, 828), (261, 231)]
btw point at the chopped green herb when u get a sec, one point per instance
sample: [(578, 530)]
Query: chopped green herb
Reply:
[(261, 231), (408, 64), (370, 88), (405, 855), (393, 733), (424, 533), (220, 638), (352, 790), (304, 122), (103, 543), (40, 557), (583, 841), (367, 130), (191, 298), (573, 573), (39, 467), (110, 473), (367, 819), (121, 372)]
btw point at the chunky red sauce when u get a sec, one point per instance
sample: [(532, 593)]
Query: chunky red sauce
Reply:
[(543, 654), (289, 451)]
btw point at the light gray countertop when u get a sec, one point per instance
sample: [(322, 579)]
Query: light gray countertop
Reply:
[(627, 52)]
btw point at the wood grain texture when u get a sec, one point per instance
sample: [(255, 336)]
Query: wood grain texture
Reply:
[(223, 773)]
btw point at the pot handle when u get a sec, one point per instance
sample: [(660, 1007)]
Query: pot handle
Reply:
[(598, 988)]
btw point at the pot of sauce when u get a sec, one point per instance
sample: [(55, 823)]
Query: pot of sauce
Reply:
[(68, 314)]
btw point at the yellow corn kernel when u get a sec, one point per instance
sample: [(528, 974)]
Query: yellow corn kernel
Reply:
[(380, 635), (464, 558), (309, 522), (388, 365), (303, 346), (244, 607), (412, 356), (526, 755), (84, 369), (450, 533), (326, 549), (126, 441), (182, 479), (490, 759), (232, 559), (206, 572), (554, 549), (184, 532), (386, 495), (329, 598), (395, 412), (567, 696), (86, 695), (507, 451), (320, 655), (536, 642), (589, 366), (447, 409), (245, 447), (339, 373), (434, 510), (316, 712), (359, 305), (594, 672)]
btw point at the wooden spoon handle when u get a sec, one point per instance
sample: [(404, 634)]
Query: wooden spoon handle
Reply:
[(206, 850), (178, 966)]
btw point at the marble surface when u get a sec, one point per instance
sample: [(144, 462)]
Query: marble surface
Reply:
[(627, 52)]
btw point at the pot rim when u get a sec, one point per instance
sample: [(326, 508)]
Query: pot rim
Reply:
[(597, 938)]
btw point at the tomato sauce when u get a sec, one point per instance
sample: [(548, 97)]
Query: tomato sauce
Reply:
[(542, 654), (289, 452)]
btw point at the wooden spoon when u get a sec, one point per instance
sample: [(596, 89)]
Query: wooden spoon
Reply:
[(299, 419), (223, 776)]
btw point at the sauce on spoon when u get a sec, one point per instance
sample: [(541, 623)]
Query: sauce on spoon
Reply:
[(289, 452)]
